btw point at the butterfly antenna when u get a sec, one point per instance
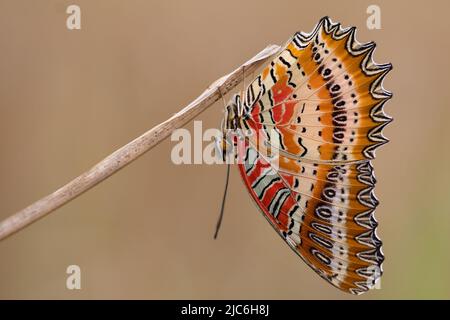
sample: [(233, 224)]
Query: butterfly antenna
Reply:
[(222, 208), (243, 82)]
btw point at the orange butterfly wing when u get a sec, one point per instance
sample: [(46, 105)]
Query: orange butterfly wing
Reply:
[(314, 118)]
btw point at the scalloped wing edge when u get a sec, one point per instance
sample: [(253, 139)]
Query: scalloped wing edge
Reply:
[(368, 66)]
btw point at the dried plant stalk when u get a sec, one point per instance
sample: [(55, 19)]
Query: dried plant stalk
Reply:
[(131, 151)]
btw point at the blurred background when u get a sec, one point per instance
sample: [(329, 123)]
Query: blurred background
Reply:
[(69, 98)]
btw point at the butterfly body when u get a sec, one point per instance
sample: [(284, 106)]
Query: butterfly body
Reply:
[(305, 132)]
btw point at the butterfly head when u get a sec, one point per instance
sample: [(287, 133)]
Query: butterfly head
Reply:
[(233, 113)]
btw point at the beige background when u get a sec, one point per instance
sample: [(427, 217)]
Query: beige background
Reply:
[(69, 98)]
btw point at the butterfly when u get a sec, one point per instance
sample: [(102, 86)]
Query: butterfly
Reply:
[(305, 132)]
